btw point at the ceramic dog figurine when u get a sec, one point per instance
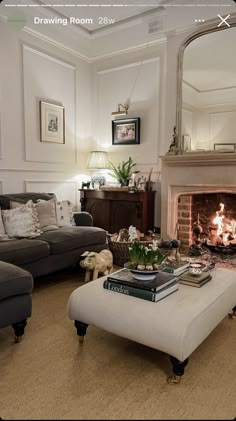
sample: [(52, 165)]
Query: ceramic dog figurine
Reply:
[(96, 263)]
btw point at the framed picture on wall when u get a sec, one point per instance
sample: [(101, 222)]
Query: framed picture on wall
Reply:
[(126, 131), (52, 123)]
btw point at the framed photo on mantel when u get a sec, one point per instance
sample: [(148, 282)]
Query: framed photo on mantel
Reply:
[(186, 143), (126, 131), (225, 147), (52, 123)]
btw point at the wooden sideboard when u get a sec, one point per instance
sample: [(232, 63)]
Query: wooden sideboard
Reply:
[(113, 210)]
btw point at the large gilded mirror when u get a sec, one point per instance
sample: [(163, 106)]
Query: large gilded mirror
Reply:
[(206, 98)]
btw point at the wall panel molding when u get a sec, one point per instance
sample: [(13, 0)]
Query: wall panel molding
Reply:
[(64, 189), (222, 126), (48, 56), (39, 170), (48, 88), (128, 66)]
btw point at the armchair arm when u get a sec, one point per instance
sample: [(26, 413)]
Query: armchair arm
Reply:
[(83, 219)]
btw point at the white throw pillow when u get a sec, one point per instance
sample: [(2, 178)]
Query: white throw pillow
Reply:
[(30, 203), (64, 212), (47, 214), (21, 222)]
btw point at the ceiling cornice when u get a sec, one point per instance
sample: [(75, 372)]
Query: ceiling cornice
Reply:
[(50, 40)]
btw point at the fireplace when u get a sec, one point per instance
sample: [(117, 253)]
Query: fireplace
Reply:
[(208, 218), (192, 184)]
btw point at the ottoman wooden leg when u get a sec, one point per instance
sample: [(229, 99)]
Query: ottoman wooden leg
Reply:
[(81, 330), (232, 314), (178, 370), (19, 329)]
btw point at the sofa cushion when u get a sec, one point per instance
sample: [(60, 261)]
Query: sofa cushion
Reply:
[(22, 251), (70, 238), (64, 213), (2, 228), (21, 221), (47, 214), (14, 281)]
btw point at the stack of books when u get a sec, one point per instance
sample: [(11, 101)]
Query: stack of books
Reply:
[(195, 280), (177, 268), (153, 290)]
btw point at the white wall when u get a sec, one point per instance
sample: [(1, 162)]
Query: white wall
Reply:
[(135, 78), (32, 70)]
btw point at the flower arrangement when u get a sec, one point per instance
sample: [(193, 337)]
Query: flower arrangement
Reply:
[(142, 257)]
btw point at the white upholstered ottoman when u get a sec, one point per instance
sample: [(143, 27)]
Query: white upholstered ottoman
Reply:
[(175, 325)]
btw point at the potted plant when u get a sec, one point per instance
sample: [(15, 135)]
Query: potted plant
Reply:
[(146, 258), (123, 171)]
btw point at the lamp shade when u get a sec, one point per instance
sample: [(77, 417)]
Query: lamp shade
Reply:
[(98, 160)]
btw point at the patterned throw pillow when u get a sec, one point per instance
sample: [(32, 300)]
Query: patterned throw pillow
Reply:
[(21, 222), (64, 213), (47, 214), (30, 203)]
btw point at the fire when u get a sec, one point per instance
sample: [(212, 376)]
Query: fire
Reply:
[(226, 228), (218, 220)]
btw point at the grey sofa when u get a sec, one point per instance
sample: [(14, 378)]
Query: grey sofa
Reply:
[(53, 250), (16, 287)]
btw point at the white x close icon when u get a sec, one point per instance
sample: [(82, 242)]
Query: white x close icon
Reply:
[(224, 20)]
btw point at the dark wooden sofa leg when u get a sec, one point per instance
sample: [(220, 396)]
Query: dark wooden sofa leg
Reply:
[(232, 314), (81, 330), (178, 370), (19, 329)]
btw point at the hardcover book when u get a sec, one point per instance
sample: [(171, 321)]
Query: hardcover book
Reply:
[(125, 277), (139, 293), (196, 284), (194, 278), (177, 268)]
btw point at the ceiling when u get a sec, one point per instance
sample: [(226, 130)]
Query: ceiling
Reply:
[(210, 61), (103, 13)]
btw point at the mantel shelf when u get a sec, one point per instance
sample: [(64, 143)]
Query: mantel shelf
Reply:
[(200, 159)]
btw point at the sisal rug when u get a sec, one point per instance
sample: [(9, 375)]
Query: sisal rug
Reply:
[(50, 376)]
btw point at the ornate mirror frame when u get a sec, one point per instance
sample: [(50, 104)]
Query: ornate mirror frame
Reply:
[(211, 26)]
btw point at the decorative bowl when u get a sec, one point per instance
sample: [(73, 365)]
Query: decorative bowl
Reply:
[(196, 268), (143, 275)]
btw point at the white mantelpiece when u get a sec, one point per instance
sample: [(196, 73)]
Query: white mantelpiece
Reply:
[(200, 159), (189, 174)]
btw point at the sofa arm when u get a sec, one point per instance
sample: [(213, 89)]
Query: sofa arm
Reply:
[(83, 219)]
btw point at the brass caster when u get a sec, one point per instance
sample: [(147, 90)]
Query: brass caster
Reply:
[(174, 379), (81, 339), (18, 339)]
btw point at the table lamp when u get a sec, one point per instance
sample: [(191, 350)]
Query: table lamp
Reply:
[(98, 160)]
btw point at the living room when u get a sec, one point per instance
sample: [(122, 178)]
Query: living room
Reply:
[(91, 65)]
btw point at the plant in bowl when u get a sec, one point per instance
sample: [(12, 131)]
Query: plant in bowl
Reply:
[(123, 171), (143, 258)]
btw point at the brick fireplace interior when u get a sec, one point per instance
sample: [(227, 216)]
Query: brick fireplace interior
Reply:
[(214, 212)]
